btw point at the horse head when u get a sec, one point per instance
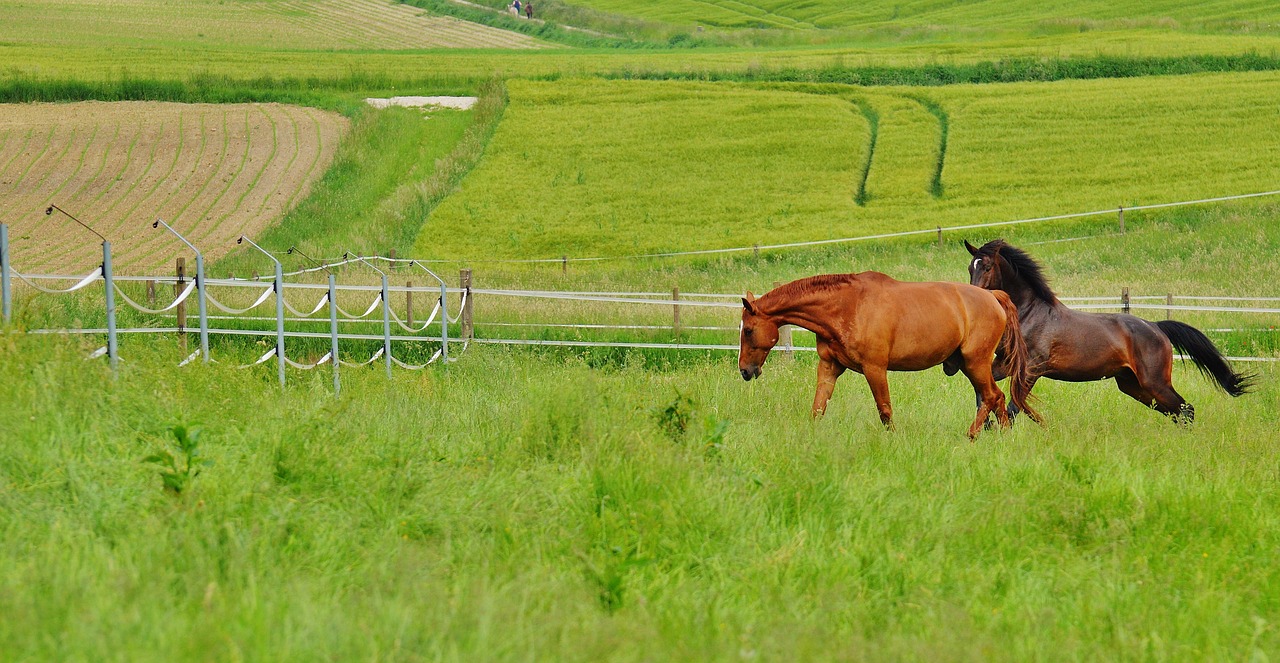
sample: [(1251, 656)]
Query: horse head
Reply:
[(987, 268), (759, 335)]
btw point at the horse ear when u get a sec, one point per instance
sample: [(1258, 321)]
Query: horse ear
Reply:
[(749, 303), (973, 250)]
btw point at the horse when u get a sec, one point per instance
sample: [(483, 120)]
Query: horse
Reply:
[(1075, 346), (872, 324)]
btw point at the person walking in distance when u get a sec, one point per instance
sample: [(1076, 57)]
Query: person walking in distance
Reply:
[(528, 9)]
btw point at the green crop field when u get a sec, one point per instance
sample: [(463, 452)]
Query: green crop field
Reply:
[(627, 503), (1227, 15), (584, 168)]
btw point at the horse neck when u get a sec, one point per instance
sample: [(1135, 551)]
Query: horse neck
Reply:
[(807, 309), (1023, 296)]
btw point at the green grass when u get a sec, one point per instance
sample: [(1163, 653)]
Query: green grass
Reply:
[(1082, 15), (553, 518), (585, 168)]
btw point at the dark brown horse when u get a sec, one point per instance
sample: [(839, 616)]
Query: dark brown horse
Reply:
[(1079, 347), (873, 324)]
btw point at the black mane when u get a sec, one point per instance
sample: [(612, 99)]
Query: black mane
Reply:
[(1024, 266)]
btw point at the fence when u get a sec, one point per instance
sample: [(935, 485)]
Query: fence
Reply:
[(278, 291)]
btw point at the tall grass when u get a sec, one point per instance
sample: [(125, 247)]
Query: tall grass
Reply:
[(515, 506)]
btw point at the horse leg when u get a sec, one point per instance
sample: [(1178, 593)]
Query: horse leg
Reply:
[(1156, 393), (991, 399), (828, 371), (878, 380)]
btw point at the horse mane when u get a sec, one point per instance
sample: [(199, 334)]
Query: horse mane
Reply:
[(794, 289), (1023, 265)]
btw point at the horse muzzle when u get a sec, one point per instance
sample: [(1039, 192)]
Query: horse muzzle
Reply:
[(750, 372)]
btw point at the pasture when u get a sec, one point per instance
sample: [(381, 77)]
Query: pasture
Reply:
[(519, 504), (613, 503)]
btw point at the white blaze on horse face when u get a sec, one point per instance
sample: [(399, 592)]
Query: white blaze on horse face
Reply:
[(976, 262)]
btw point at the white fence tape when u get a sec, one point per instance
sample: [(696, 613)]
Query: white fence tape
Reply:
[(306, 367), (235, 311), (181, 298), (319, 305), (260, 360), (376, 300), (93, 276)]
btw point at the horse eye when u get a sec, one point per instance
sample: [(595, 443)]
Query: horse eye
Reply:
[(747, 331)]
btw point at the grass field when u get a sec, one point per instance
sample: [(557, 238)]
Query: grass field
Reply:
[(1080, 15), (621, 504), (555, 516), (574, 169)]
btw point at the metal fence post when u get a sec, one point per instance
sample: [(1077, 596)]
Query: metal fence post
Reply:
[(111, 306), (280, 321), (333, 332), (386, 324), (5, 305)]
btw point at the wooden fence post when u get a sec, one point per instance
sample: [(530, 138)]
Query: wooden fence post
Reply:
[(151, 292), (408, 303), (675, 310), (939, 235), (464, 281), (784, 333), (1124, 300), (1122, 219), (182, 308), (564, 264), (1168, 301)]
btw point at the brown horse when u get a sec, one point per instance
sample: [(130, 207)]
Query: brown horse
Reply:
[(1079, 347), (872, 324)]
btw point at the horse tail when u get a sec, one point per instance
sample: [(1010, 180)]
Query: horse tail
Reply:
[(1194, 344), (1017, 360)]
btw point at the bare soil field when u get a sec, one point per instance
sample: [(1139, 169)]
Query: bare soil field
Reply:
[(282, 24), (211, 171)]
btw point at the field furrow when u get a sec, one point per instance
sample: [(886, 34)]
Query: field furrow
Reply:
[(212, 171), (93, 135), (29, 157), (286, 120)]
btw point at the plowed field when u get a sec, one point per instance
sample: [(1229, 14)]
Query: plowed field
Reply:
[(211, 171), (285, 24)]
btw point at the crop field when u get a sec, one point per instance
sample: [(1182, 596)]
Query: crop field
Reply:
[(1232, 15), (212, 171), (244, 24), (574, 169), (640, 503)]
